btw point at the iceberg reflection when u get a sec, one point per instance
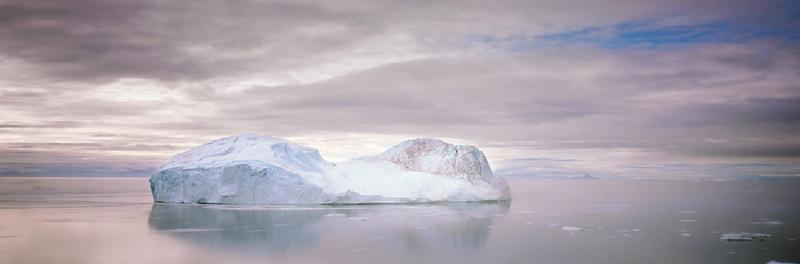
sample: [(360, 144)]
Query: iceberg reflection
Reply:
[(237, 228), (414, 229)]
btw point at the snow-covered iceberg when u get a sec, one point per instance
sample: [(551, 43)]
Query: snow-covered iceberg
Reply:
[(252, 169)]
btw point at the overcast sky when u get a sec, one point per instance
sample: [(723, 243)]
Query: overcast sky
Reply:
[(672, 89)]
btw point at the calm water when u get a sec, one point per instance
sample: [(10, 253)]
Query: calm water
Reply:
[(591, 221)]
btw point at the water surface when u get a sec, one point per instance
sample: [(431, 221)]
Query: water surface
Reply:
[(73, 220)]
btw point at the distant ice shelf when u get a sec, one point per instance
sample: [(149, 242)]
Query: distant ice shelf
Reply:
[(254, 169)]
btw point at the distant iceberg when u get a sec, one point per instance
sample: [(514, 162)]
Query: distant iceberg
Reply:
[(253, 169)]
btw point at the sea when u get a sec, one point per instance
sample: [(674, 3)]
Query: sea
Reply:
[(114, 220)]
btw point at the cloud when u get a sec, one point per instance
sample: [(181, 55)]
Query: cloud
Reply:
[(103, 40), (118, 86)]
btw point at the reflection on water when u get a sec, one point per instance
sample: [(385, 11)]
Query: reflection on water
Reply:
[(441, 229), (220, 227), (418, 229)]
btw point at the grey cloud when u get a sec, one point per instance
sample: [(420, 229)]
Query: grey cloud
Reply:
[(66, 147), (46, 124), (86, 40), (547, 102), (735, 102), (765, 113), (90, 40), (791, 151), (480, 91)]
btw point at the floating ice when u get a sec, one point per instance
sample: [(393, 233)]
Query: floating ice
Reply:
[(744, 236), (252, 169), (335, 215)]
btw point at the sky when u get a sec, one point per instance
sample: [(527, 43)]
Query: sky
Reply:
[(554, 88)]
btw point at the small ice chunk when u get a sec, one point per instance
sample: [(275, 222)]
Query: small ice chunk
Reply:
[(779, 262), (571, 228), (741, 237), (332, 215), (188, 230), (686, 234)]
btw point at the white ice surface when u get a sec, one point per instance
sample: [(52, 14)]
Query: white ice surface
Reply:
[(571, 228), (374, 176), (256, 151), (252, 169)]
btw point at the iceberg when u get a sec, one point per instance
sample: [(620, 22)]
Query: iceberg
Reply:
[(254, 169)]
